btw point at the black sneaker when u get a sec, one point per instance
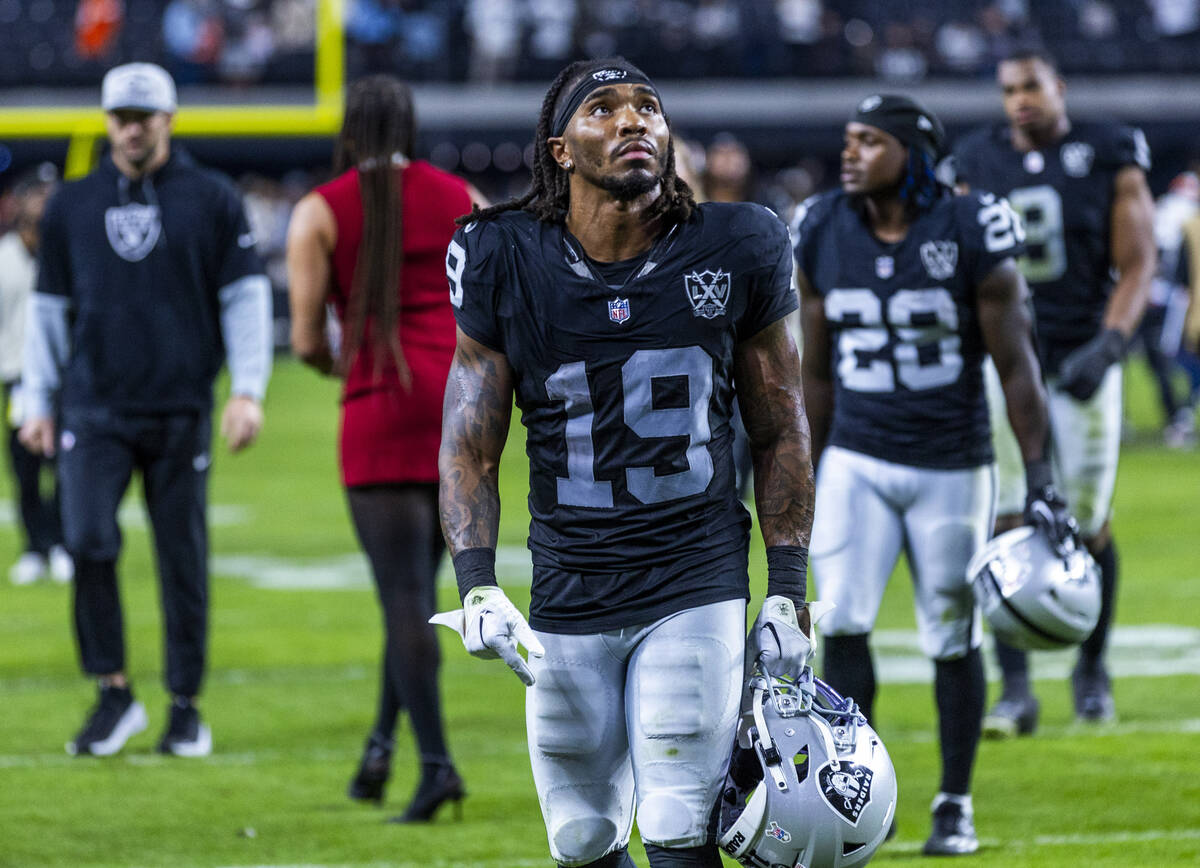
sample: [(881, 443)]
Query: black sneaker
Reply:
[(1013, 714), (112, 721), (1092, 692), (953, 829), (185, 735)]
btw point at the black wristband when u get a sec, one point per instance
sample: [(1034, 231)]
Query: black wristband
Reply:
[(1038, 475), (474, 567), (787, 573)]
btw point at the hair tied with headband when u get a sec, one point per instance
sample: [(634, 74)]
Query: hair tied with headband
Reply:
[(396, 159)]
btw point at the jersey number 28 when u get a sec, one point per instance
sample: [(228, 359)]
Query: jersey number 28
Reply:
[(925, 354)]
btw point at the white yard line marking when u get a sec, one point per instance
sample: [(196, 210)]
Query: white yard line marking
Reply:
[(1147, 837), (132, 514), (1186, 726)]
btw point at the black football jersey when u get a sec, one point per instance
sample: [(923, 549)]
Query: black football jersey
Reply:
[(903, 328), (1064, 195), (626, 396)]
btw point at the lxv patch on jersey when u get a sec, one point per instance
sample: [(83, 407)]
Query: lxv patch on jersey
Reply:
[(940, 258), (708, 292)]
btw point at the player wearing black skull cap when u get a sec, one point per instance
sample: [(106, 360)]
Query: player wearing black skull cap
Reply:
[(904, 287), (622, 316)]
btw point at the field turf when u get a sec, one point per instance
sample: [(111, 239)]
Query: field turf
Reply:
[(293, 681)]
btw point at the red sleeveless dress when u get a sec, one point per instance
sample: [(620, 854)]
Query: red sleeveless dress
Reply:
[(388, 434)]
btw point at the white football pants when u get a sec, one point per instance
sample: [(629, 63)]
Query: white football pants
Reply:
[(1087, 448), (643, 714), (867, 511)]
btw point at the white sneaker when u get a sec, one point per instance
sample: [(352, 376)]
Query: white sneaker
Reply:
[(62, 567), (28, 569)]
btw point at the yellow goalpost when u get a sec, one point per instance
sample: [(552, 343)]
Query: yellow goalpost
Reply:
[(83, 126)]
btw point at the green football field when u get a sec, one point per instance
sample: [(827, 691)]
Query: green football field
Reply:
[(293, 681)]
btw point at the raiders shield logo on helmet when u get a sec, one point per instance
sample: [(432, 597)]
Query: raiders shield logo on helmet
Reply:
[(940, 258), (133, 230), (708, 292), (846, 787)]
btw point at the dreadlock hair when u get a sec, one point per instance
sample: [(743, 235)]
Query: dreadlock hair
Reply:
[(549, 195), (919, 188), (377, 138)]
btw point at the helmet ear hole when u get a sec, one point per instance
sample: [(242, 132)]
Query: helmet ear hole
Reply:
[(800, 760)]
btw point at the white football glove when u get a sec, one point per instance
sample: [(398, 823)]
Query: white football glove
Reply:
[(491, 626), (777, 641)]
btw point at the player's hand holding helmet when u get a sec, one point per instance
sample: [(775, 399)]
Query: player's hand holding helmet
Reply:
[(810, 782), (777, 641), (491, 626), (1033, 595), (1046, 510)]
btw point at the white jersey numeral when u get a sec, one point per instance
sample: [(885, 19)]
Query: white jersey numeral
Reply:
[(569, 384), (926, 354)]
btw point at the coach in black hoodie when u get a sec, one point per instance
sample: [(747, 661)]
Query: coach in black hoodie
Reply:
[(147, 281)]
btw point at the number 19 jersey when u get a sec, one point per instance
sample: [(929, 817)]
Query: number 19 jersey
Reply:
[(626, 393), (903, 327)]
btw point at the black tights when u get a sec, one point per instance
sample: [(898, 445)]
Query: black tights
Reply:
[(397, 526)]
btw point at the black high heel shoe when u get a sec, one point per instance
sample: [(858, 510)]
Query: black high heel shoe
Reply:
[(374, 769), (440, 783)]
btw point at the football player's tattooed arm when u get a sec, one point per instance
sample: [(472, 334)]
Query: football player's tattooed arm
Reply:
[(1006, 324), (767, 376), (817, 375), (311, 237), (1133, 250), (475, 420)]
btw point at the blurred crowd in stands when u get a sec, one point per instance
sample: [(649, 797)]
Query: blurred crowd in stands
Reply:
[(244, 42)]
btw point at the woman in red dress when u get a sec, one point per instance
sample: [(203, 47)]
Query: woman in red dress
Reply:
[(371, 244)]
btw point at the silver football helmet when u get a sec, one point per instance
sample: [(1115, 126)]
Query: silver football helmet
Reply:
[(1033, 597), (810, 784)]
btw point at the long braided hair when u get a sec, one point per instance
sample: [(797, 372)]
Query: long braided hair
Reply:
[(377, 138), (549, 195), (919, 187)]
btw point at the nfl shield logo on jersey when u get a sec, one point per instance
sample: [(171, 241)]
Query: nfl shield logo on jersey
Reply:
[(133, 230), (885, 267), (618, 310), (940, 258), (708, 292)]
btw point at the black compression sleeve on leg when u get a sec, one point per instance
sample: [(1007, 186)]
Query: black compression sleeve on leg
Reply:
[(706, 856), (615, 859), (1091, 652), (959, 690), (850, 670), (1014, 668)]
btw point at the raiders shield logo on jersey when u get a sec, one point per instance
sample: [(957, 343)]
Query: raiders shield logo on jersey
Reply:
[(940, 258), (708, 292), (1077, 158), (133, 230), (846, 787)]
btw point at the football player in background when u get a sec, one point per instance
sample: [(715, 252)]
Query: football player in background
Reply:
[(1081, 191), (904, 287), (622, 316)]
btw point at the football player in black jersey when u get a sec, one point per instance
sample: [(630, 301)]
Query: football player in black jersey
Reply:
[(904, 287), (623, 316), (1081, 190)]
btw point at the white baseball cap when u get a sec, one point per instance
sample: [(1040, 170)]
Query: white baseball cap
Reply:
[(144, 86)]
